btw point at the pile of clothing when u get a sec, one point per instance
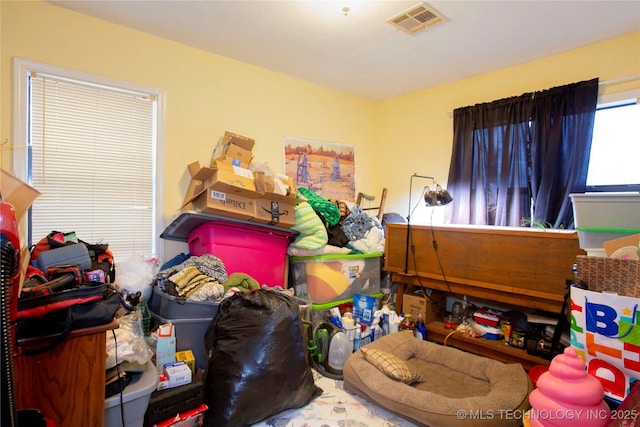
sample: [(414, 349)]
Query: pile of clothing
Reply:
[(334, 227), (202, 278), (324, 226)]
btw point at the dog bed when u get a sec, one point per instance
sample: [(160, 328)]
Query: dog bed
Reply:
[(438, 386)]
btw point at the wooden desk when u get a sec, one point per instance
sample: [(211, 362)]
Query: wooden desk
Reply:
[(518, 266), (494, 349), (521, 267), (67, 383)]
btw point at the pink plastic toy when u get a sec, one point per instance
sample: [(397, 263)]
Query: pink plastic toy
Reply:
[(566, 395)]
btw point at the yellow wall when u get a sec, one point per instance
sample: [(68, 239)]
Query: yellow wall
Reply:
[(205, 94), (420, 122), (208, 94)]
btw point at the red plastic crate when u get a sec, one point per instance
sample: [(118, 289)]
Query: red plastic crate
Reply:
[(260, 252)]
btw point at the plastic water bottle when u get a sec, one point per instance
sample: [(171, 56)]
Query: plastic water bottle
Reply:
[(356, 341), (339, 350), (394, 320), (421, 329), (365, 337), (385, 319)]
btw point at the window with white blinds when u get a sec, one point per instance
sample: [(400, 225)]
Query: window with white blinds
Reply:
[(93, 157)]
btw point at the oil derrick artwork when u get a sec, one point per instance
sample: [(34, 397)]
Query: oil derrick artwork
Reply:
[(328, 169)]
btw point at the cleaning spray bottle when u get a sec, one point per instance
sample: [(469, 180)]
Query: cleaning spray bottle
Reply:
[(420, 331)]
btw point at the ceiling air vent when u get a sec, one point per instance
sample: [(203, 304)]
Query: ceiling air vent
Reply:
[(417, 19)]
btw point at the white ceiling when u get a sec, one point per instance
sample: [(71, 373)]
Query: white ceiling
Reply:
[(360, 53)]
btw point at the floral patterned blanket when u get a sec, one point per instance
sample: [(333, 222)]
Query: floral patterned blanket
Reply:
[(336, 407)]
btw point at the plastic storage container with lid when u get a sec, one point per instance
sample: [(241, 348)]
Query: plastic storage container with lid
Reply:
[(189, 335), (600, 217), (135, 398), (170, 307), (260, 252), (326, 278)]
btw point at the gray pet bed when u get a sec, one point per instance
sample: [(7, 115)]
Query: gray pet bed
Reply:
[(459, 388)]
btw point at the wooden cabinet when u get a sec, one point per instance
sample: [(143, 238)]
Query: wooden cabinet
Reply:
[(495, 349), (66, 383), (521, 267)]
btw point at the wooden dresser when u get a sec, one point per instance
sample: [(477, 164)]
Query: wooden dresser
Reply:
[(67, 383), (520, 267)]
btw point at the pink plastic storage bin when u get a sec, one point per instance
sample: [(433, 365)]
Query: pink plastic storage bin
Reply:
[(257, 251)]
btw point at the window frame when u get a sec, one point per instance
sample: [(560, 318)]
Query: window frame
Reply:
[(613, 100), (22, 68)]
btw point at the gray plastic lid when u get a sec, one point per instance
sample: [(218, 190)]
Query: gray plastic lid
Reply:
[(145, 384)]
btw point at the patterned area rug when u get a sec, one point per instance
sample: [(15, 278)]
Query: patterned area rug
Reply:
[(336, 408)]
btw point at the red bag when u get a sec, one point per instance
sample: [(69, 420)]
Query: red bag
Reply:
[(100, 254)]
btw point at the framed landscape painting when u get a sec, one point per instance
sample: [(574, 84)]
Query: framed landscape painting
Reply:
[(328, 169)]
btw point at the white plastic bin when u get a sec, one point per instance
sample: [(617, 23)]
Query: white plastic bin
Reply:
[(135, 398), (600, 217)]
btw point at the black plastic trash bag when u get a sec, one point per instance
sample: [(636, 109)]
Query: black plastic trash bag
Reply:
[(257, 363)]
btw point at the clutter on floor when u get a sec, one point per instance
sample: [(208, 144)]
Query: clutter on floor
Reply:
[(282, 313), (336, 407), (435, 385)]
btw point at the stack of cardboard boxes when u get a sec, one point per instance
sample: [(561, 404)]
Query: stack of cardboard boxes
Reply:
[(227, 187)]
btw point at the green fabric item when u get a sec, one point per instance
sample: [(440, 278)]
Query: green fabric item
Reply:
[(326, 208), (241, 281), (313, 234)]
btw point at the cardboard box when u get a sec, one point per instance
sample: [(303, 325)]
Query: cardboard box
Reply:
[(20, 195), (226, 204), (187, 357), (195, 186), (232, 154), (611, 246), (228, 178), (234, 150), (364, 306), (165, 346), (279, 184), (223, 190), (17, 193), (177, 374), (277, 202), (431, 306), (276, 210), (239, 140)]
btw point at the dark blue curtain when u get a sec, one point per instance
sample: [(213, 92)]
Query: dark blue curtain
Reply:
[(562, 127), (488, 172), (516, 160)]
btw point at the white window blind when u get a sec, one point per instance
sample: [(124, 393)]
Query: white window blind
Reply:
[(92, 157)]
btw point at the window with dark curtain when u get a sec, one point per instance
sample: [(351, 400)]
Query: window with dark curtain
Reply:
[(516, 160)]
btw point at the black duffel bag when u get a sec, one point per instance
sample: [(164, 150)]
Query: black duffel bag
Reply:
[(57, 314)]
